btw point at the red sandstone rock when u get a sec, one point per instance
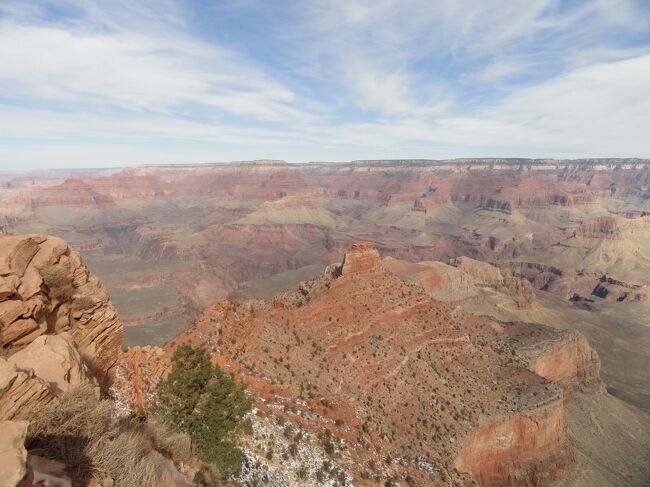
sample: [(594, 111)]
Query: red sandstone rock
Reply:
[(570, 358), (526, 449), (138, 372), (20, 391), (362, 257)]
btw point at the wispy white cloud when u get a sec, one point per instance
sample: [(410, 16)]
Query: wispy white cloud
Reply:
[(600, 110), (342, 79), (503, 68), (160, 71)]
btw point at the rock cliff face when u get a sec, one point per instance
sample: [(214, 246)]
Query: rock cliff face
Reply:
[(362, 257), (45, 289), (569, 359), (526, 449)]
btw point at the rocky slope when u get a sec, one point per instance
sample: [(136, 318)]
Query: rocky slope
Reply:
[(403, 387)]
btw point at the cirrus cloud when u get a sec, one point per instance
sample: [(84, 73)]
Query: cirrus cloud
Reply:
[(319, 80)]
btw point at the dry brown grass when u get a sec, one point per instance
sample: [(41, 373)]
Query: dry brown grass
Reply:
[(129, 459), (64, 428), (176, 445), (77, 430), (83, 303), (57, 279)]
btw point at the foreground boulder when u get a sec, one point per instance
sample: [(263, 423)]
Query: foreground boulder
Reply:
[(55, 360), (13, 456), (21, 391)]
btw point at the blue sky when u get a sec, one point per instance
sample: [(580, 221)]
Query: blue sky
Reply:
[(91, 83)]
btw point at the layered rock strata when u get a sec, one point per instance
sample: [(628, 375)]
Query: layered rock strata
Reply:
[(45, 289)]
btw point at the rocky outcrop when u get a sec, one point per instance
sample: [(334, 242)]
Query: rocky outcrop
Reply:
[(46, 289), (464, 278), (442, 281), (343, 351), (55, 360), (13, 456), (21, 391), (362, 257)]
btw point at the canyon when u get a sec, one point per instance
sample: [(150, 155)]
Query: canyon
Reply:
[(168, 241), (417, 322), (380, 368)]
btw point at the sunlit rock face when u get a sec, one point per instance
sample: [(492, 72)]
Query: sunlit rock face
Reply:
[(49, 291)]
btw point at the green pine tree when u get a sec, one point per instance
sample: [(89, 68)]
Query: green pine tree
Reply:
[(200, 400)]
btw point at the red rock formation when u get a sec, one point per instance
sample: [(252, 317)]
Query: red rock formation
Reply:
[(362, 257), (523, 183), (526, 449), (139, 370), (569, 359), (360, 340)]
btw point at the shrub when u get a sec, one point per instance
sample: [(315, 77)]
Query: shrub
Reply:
[(199, 399), (293, 449), (57, 279), (83, 303)]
